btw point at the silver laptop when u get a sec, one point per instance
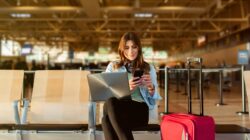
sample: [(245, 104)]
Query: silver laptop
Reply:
[(110, 84)]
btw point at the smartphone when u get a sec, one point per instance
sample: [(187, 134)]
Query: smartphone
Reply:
[(138, 73)]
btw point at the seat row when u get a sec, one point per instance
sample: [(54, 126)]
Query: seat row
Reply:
[(58, 97), (60, 101)]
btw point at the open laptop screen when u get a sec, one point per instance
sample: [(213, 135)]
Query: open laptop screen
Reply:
[(110, 84)]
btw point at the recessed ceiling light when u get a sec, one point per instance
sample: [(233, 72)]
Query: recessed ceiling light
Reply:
[(143, 15), (20, 15)]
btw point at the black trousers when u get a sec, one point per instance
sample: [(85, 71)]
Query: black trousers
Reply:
[(120, 116)]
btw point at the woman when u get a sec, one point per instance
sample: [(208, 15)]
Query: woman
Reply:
[(122, 115)]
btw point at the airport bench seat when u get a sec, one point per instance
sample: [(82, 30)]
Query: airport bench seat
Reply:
[(11, 83), (59, 101)]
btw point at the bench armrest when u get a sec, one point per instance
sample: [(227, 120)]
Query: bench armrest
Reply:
[(24, 109), (92, 115)]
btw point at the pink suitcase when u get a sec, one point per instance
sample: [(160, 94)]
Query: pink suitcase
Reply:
[(180, 126), (187, 127)]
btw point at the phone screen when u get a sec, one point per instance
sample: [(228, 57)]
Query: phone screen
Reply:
[(138, 73)]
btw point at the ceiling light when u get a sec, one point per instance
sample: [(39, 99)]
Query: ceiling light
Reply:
[(20, 15), (143, 15)]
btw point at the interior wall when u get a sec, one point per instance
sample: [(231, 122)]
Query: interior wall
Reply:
[(228, 55), (213, 58)]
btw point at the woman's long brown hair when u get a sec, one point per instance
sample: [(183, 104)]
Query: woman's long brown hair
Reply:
[(139, 62)]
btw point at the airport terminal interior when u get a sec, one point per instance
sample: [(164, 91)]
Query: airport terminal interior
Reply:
[(49, 47)]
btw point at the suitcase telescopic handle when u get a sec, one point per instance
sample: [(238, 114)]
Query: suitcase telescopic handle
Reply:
[(189, 61)]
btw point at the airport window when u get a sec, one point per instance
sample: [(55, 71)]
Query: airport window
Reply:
[(10, 48)]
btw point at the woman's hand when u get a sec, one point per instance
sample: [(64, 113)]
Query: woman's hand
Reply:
[(148, 82), (134, 82)]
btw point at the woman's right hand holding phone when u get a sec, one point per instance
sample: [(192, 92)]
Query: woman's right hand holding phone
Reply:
[(134, 82)]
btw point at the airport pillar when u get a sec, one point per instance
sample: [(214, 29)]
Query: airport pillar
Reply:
[(243, 59), (243, 92)]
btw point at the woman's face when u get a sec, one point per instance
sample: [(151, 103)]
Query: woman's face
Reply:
[(130, 50)]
